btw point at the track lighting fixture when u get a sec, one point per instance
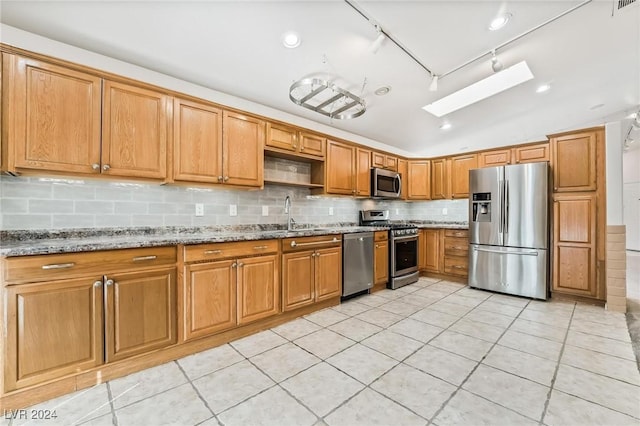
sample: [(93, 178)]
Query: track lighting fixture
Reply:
[(636, 122), (496, 65), (377, 43), (433, 87)]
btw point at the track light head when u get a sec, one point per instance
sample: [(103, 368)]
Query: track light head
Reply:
[(496, 65), (433, 87), (377, 43)]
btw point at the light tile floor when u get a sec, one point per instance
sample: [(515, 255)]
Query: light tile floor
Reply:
[(434, 352)]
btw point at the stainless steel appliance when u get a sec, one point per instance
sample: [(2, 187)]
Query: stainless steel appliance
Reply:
[(357, 263), (509, 229), (385, 183), (403, 247)]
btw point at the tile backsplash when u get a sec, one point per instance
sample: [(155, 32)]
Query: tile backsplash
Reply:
[(57, 203)]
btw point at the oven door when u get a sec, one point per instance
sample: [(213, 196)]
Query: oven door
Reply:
[(404, 255), (385, 183)]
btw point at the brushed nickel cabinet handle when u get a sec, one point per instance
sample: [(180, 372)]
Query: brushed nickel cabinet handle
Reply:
[(143, 258), (260, 247), (294, 244), (95, 166), (97, 283), (108, 282), (240, 265), (58, 266), (226, 178), (234, 264), (106, 167), (212, 251), (220, 178)]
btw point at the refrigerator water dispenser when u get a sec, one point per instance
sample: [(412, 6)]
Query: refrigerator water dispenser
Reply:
[(481, 207)]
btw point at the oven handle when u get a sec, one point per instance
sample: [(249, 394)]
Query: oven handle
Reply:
[(405, 238)]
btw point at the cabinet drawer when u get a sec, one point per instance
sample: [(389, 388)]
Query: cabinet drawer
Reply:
[(217, 251), (464, 233), (55, 266), (381, 236), (456, 266), (311, 243), (456, 246)]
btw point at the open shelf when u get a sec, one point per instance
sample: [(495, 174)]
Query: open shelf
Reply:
[(296, 184)]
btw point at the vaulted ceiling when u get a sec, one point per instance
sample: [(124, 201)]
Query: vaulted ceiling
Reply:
[(590, 57)]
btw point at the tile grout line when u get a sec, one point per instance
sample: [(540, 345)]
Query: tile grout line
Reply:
[(114, 418), (555, 373), (197, 391)]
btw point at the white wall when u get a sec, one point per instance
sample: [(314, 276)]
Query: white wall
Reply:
[(631, 196), (613, 155)]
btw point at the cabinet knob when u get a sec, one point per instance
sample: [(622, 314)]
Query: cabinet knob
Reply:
[(302, 148), (108, 282), (219, 178), (240, 265), (97, 283), (353, 191), (377, 246), (295, 146), (95, 166), (226, 178), (234, 264), (106, 167)]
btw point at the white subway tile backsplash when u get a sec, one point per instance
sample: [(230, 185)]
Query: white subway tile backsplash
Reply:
[(32, 203)]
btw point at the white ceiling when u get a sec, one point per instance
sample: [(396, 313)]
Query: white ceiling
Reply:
[(591, 57)]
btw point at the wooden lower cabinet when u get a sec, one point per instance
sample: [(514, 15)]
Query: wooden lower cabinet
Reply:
[(445, 251), (311, 275), (430, 250), (574, 245), (258, 288), (140, 312), (381, 258), (53, 329), (210, 294)]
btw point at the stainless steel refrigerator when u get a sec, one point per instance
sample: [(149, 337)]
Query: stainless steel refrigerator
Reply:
[(509, 229)]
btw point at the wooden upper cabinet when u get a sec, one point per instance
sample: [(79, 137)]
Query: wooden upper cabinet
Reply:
[(460, 167), (363, 172), (418, 180), (140, 312), (531, 153), (53, 119), (496, 157), (312, 144), (439, 179), (384, 161), (53, 329), (243, 149), (134, 131), (340, 167), (574, 244), (282, 137), (197, 142), (573, 160), (402, 169)]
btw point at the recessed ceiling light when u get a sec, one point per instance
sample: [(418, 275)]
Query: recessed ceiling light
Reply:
[(445, 126), (543, 88), (381, 91), (499, 21), (291, 39), (495, 83)]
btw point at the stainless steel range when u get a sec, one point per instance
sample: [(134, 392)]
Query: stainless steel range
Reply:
[(403, 247)]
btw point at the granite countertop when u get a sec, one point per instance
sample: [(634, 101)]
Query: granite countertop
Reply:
[(27, 242)]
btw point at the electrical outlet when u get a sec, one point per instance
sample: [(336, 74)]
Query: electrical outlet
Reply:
[(199, 209), (265, 210), (330, 211), (233, 210), (444, 211)]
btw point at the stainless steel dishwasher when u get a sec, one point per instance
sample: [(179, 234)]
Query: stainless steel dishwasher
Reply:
[(357, 263)]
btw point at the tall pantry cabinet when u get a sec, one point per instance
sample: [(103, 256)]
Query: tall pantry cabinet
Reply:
[(579, 213)]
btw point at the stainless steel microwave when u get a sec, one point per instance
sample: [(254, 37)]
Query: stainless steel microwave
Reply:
[(385, 183)]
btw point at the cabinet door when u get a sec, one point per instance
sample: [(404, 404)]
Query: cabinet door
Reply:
[(431, 249), (378, 160), (418, 180), (531, 153), (140, 312), (53, 329), (53, 122), (363, 172), (134, 131), (402, 169), (574, 246), (573, 159), (497, 157), (282, 137), (210, 298), (311, 144), (439, 179), (243, 150), (460, 167), (381, 263), (197, 142), (298, 284), (328, 273), (391, 163), (258, 288), (340, 168)]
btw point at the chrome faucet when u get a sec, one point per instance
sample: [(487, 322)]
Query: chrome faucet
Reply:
[(287, 210)]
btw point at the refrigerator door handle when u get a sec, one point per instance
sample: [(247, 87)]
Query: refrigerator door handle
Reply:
[(500, 201), (506, 207), (518, 253)]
